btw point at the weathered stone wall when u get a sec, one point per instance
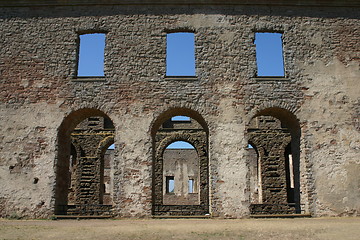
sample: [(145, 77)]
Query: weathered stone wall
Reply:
[(271, 138), (38, 91)]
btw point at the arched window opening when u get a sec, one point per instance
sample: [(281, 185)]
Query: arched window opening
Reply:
[(181, 118), (83, 183), (180, 122)]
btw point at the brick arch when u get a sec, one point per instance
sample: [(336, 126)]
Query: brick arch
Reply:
[(74, 117)]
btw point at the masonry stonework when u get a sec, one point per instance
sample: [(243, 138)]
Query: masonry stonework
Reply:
[(316, 106), (196, 135)]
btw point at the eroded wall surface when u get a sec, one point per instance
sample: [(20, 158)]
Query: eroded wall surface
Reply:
[(38, 90)]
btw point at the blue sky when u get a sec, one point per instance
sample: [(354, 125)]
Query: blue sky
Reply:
[(180, 144), (180, 54), (91, 55), (269, 54), (181, 57)]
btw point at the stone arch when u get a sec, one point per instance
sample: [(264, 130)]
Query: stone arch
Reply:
[(286, 116), (164, 132), (175, 111), (276, 132), (89, 130), (104, 144), (275, 106), (199, 147)]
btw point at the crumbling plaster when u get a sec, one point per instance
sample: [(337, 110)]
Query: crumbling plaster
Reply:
[(329, 122), (38, 91)]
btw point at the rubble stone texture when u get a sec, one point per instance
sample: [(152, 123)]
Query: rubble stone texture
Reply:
[(317, 102), (270, 139), (193, 133), (90, 143)]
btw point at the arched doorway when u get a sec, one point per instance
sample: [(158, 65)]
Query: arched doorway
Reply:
[(82, 178), (274, 134), (180, 175)]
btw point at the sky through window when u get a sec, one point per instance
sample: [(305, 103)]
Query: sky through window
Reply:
[(91, 55)]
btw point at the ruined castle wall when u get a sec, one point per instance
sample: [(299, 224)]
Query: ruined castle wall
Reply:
[(38, 89)]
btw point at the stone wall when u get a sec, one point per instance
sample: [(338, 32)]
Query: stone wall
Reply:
[(42, 100), (271, 138)]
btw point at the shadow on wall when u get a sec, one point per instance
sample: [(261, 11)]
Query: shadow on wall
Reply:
[(274, 160), (83, 138)]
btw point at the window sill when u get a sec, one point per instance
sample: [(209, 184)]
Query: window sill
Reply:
[(271, 79), (89, 79), (181, 78)]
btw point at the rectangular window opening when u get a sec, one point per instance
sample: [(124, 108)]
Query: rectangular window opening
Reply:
[(170, 184), (180, 54), (191, 185), (91, 55), (269, 54)]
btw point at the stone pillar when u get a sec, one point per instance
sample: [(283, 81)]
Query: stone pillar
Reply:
[(89, 147), (271, 146)]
